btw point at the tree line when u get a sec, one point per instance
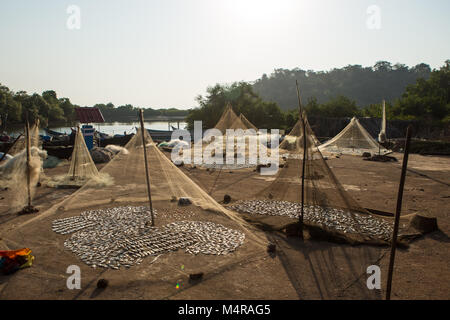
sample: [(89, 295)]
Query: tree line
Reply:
[(364, 85), (427, 99), (49, 109)]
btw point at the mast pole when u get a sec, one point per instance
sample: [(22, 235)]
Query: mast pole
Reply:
[(147, 177), (27, 143), (303, 161), (397, 214)]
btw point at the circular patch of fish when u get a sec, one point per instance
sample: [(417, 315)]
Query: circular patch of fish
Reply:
[(123, 236)]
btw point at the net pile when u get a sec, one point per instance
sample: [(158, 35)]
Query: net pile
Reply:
[(327, 204), (353, 140)]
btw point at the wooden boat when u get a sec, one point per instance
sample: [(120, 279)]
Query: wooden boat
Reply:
[(119, 140), (54, 133), (164, 135), (61, 152)]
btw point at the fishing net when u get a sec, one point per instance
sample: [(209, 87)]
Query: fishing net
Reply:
[(239, 146), (328, 208), (353, 140), (247, 123), (13, 173), (292, 144), (20, 144), (82, 168), (229, 120), (113, 226)]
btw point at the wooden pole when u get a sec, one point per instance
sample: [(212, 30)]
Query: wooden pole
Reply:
[(141, 118), (299, 100), (28, 150), (303, 177), (397, 213), (74, 152), (303, 161)]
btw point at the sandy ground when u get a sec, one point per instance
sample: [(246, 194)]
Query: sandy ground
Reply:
[(299, 270)]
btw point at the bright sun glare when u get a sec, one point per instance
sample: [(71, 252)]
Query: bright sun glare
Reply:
[(254, 11)]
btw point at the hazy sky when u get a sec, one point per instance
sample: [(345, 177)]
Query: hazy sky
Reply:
[(163, 53)]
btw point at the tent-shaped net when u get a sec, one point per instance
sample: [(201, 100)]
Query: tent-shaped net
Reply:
[(353, 140), (248, 145), (327, 206), (82, 168), (292, 144), (229, 120), (247, 123), (113, 226), (14, 172)]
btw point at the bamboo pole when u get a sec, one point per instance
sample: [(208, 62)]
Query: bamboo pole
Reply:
[(299, 100), (303, 161), (397, 213), (141, 118), (303, 177), (74, 152), (28, 150)]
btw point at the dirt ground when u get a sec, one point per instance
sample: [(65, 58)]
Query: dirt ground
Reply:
[(298, 270)]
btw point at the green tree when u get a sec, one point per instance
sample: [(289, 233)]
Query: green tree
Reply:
[(427, 99), (10, 109), (241, 96)]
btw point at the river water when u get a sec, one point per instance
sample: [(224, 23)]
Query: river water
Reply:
[(113, 127)]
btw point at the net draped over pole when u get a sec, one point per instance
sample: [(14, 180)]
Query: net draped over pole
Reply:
[(353, 140)]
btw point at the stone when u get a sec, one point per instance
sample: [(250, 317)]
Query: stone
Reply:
[(424, 224), (184, 201), (226, 199), (271, 248), (196, 276), (293, 230), (102, 283)]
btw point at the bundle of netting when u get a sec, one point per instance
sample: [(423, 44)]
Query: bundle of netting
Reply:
[(353, 140), (82, 168), (21, 173), (327, 207)]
